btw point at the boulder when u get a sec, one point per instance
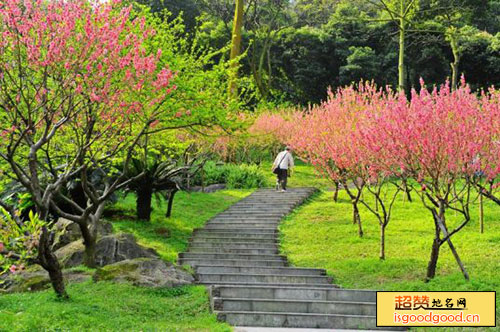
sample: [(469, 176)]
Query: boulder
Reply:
[(35, 280), (109, 249), (148, 272), (68, 231)]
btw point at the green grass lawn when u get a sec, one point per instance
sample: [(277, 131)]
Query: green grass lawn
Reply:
[(320, 234), (110, 307), (107, 306), (169, 236)]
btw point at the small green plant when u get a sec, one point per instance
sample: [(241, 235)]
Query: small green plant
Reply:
[(18, 241)]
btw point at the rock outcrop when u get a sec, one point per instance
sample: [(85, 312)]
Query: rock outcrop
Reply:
[(149, 272), (109, 249)]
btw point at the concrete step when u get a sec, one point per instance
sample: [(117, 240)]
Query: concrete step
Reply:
[(212, 255), (225, 231), (298, 320), (236, 245), (231, 240), (232, 250), (228, 235), (259, 270), (239, 223), (264, 284), (297, 306), (232, 262), (241, 228), (263, 278), (253, 215), (248, 218), (298, 293)]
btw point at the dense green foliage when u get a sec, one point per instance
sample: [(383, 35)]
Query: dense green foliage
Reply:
[(234, 176), (295, 50)]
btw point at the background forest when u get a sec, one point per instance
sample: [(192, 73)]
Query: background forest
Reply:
[(294, 50)]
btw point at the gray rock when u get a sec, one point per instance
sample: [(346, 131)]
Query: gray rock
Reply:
[(149, 272), (67, 231), (109, 249), (37, 279)]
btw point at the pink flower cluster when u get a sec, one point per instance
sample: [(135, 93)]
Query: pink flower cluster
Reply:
[(96, 48)]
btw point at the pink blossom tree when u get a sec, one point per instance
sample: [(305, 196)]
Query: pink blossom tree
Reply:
[(323, 136), (79, 87), (443, 139)]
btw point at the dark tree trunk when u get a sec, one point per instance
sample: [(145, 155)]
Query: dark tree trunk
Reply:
[(170, 203), (143, 202), (431, 267), (436, 244), (49, 262), (336, 192), (356, 218), (382, 241), (89, 240)]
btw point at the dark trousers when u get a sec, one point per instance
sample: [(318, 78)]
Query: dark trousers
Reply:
[(283, 177)]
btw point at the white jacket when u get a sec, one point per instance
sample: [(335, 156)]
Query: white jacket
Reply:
[(287, 161)]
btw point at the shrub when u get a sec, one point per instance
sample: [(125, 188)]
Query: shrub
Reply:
[(241, 176)]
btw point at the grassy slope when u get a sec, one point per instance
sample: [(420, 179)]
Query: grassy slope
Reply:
[(114, 307), (321, 234), (110, 307), (189, 211)]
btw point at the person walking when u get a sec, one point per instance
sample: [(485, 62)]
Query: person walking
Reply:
[(281, 167)]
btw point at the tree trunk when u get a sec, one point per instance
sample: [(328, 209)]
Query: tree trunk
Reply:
[(49, 262), (401, 58), (143, 202), (356, 218), (481, 214), (89, 240), (444, 230), (431, 267), (382, 242), (170, 203), (456, 59), (336, 192), (235, 46)]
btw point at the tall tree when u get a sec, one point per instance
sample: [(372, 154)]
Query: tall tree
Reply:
[(236, 46), (401, 12)]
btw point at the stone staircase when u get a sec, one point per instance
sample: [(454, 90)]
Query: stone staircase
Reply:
[(236, 254)]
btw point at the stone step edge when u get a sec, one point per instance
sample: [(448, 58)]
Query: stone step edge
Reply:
[(241, 260), (260, 284), (274, 268), (305, 288), (263, 274), (182, 254), (291, 301), (292, 313)]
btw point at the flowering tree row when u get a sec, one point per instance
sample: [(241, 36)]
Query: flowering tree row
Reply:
[(368, 139)]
